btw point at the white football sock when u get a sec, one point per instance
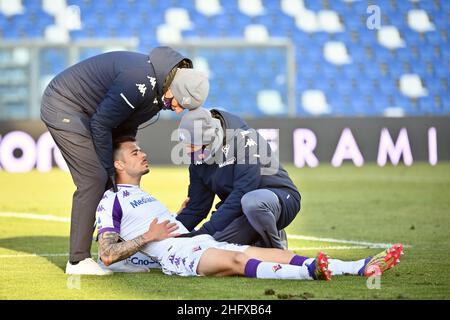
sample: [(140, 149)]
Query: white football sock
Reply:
[(271, 270), (339, 267)]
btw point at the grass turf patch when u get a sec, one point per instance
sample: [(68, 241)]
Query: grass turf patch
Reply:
[(373, 204)]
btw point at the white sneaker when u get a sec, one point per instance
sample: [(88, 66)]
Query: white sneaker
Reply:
[(86, 267), (122, 266)]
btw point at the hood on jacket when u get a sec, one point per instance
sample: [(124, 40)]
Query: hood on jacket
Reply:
[(163, 59), (230, 121)]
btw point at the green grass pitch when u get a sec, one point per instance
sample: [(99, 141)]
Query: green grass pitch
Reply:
[(369, 204)]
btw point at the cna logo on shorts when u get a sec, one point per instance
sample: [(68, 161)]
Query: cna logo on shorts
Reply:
[(143, 262)]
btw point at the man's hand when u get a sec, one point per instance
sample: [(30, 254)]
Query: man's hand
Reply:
[(183, 205), (160, 231)]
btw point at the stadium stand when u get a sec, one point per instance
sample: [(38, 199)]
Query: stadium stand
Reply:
[(343, 67)]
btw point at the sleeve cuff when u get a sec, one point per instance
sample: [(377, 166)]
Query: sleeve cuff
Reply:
[(103, 230)]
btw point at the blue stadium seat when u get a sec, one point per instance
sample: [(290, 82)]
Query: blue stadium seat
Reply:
[(367, 108), (32, 5), (407, 105), (358, 53), (405, 55), (4, 23), (52, 61), (428, 53), (445, 6), (395, 70), (306, 70), (78, 34), (365, 87), (351, 71), (330, 71), (404, 6), (344, 87), (313, 5), (388, 87), (434, 85), (412, 38), (434, 38), (384, 55), (442, 72), (354, 24), (341, 7), (380, 103), (13, 33), (440, 20), (430, 106), (421, 69), (322, 37), (271, 6), (34, 31), (341, 105), (428, 6)]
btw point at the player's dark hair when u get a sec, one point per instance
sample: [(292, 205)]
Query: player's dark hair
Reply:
[(185, 63), (118, 142)]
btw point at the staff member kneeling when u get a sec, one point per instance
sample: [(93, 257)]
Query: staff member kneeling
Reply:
[(231, 160)]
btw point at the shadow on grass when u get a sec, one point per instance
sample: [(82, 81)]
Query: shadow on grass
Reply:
[(52, 248)]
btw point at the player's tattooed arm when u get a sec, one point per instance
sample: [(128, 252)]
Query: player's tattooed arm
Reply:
[(111, 250)]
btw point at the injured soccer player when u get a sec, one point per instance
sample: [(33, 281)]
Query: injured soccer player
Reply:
[(134, 225)]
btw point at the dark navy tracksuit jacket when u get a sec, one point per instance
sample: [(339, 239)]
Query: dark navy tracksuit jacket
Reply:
[(108, 95), (230, 182)]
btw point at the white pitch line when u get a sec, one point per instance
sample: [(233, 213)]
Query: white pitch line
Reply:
[(34, 216), (359, 244), (330, 248), (33, 255)]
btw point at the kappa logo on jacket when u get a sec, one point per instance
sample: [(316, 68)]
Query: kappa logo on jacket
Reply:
[(250, 143), (142, 88), (152, 81), (226, 149)]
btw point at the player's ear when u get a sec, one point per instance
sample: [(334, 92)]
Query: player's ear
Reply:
[(118, 165)]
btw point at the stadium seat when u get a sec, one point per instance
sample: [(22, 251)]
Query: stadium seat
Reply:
[(411, 86), (315, 103), (178, 18), (208, 7), (405, 63), (389, 37), (336, 53), (256, 33), (307, 21), (251, 7), (270, 103), (11, 7), (329, 21), (419, 21)]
